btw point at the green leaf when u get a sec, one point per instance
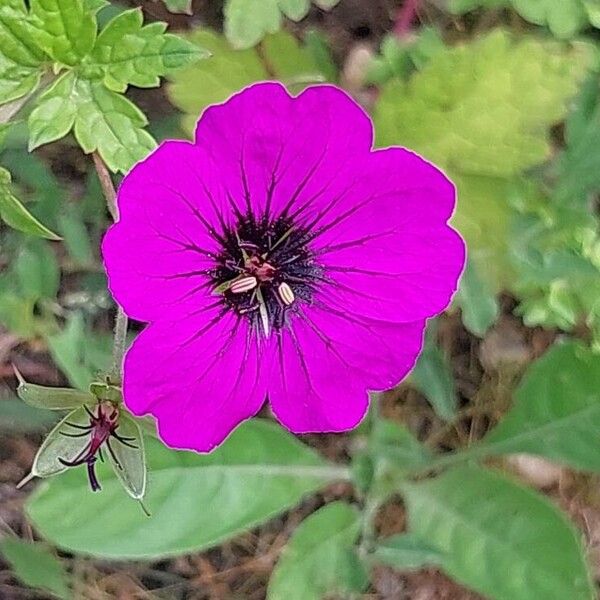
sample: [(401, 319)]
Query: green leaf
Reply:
[(196, 500), (227, 71), (55, 111), (65, 29), (77, 353), (557, 410), (395, 443), (247, 23), (130, 53), (579, 165), (112, 125), (37, 271), (14, 214), (295, 10), (564, 18), (484, 130), (59, 446), (51, 398), (433, 378), (16, 81), (319, 50), (17, 417), (17, 44), (477, 301), (130, 464), (179, 6), (503, 540), (320, 558), (76, 236), (405, 552), (36, 566)]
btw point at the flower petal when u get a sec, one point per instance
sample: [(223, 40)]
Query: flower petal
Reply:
[(328, 360), (280, 150), (200, 378), (386, 247), (158, 254)]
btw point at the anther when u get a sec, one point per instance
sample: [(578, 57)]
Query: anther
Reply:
[(286, 293), (242, 285)]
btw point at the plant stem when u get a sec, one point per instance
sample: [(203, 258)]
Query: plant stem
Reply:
[(107, 186), (120, 331), (405, 18)]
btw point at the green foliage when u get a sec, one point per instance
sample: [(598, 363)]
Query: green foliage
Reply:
[(36, 566), (213, 81), (179, 6), (14, 214), (405, 552), (477, 301), (482, 111), (564, 18), (248, 21), (556, 248), (433, 378), (63, 34), (557, 410), (503, 540), (16, 417), (195, 500), (398, 58), (319, 558), (79, 353), (133, 54), (64, 29)]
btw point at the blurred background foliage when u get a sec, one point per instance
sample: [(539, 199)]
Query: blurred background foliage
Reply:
[(504, 95)]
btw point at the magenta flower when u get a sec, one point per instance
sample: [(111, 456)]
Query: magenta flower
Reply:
[(278, 256)]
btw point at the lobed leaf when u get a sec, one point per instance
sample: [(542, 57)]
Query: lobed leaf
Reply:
[(55, 111), (499, 538), (482, 111), (131, 53), (212, 81), (109, 123), (320, 558), (65, 29), (196, 500), (247, 22)]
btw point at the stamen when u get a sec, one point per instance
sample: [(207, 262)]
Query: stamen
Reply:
[(286, 293), (244, 284), (264, 314)]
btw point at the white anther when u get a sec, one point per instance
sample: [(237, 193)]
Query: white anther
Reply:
[(286, 293), (245, 284)]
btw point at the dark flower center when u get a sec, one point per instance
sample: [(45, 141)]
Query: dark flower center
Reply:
[(265, 270)]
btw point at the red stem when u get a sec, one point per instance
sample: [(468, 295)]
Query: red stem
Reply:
[(407, 15)]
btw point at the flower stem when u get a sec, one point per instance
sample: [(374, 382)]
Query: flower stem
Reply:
[(120, 331)]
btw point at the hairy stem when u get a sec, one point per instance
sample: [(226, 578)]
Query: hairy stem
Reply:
[(120, 331)]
